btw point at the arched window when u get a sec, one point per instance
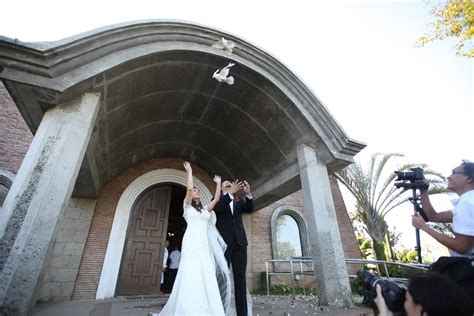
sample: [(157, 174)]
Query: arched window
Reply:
[(287, 238), (289, 235), (6, 181)]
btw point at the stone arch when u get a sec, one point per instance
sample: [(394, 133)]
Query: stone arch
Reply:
[(111, 266), (297, 147), (118, 61), (6, 181)]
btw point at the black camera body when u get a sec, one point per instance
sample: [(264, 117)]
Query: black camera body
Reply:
[(412, 175), (392, 292), (412, 179)]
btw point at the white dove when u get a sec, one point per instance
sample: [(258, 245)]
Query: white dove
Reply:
[(224, 44), (222, 75)]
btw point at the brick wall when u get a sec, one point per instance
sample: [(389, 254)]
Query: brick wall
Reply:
[(349, 241), (14, 143), (96, 245), (261, 240), (60, 270), (15, 137), (259, 227)]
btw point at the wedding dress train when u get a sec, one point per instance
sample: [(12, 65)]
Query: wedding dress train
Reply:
[(202, 285)]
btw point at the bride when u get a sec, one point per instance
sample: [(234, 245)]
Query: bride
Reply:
[(202, 285)]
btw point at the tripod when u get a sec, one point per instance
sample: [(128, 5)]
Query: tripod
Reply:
[(415, 200)]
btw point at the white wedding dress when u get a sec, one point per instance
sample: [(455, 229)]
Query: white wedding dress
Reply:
[(202, 285)]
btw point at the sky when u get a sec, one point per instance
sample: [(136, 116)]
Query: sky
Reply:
[(358, 58)]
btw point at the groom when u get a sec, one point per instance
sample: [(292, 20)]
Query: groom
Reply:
[(229, 224)]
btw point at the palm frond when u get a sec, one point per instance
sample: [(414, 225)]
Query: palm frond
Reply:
[(375, 193)]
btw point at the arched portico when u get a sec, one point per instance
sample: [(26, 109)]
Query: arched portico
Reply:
[(158, 99), (110, 269)]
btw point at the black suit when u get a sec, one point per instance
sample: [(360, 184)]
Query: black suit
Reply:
[(231, 227)]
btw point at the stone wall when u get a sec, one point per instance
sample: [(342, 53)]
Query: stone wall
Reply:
[(64, 257)]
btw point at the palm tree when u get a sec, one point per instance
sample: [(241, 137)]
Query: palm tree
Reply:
[(375, 198)]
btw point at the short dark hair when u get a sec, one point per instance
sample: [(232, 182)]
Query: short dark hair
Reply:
[(468, 168), (438, 295)]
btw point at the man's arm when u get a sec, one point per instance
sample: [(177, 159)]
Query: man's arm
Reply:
[(441, 217), (165, 260), (220, 206), (460, 243), (248, 206)]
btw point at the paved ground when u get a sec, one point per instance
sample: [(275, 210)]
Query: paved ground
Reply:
[(262, 305)]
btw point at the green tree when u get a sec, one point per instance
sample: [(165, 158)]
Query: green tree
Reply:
[(375, 196), (407, 255), (454, 18), (365, 246), (393, 238), (285, 250)]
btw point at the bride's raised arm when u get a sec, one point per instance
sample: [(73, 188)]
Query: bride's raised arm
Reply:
[(217, 195), (189, 186)]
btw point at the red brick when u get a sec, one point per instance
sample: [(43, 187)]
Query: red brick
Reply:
[(15, 136)]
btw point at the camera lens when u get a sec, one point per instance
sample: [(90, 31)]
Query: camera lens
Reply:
[(393, 293), (368, 278)]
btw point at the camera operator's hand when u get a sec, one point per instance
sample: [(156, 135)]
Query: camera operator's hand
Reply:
[(380, 302), (424, 185), (418, 221)]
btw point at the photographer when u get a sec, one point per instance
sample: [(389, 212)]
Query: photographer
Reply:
[(461, 181), (430, 294)]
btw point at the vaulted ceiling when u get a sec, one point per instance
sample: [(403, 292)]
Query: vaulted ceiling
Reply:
[(159, 100)]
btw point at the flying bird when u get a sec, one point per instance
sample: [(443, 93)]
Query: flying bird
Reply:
[(222, 75), (224, 44)]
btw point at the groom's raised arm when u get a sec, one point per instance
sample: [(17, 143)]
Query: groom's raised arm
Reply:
[(248, 205)]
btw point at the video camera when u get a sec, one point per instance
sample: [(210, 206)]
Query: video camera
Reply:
[(392, 292), (412, 179)]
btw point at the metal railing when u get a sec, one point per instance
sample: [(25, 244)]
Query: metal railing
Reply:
[(307, 261), (292, 274)]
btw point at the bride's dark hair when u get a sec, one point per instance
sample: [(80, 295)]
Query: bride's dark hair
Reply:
[(197, 205)]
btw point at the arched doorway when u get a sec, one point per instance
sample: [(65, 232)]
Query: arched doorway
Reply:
[(143, 253), (176, 222), (108, 281), (156, 216)]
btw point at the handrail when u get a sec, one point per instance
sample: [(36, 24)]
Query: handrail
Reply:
[(302, 271)]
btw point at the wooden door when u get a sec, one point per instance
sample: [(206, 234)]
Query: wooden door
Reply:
[(142, 261)]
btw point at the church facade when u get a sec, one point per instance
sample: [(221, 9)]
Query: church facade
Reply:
[(95, 129)]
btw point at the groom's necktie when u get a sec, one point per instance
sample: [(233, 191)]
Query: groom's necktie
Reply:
[(234, 202)]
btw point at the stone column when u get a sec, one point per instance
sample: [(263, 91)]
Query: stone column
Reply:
[(39, 195), (329, 263)]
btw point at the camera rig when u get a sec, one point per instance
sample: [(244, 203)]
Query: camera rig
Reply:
[(414, 180)]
